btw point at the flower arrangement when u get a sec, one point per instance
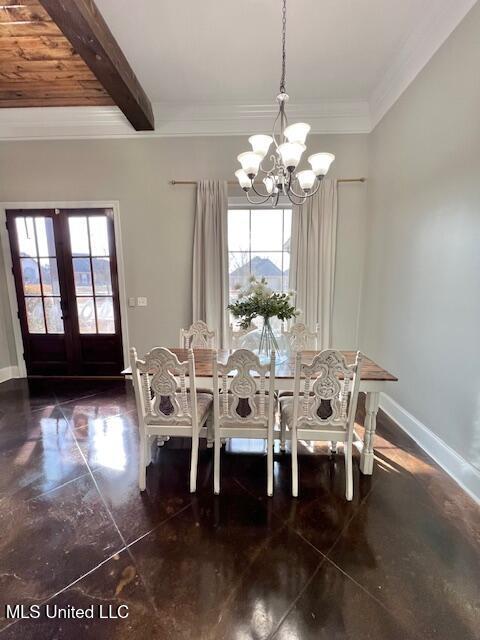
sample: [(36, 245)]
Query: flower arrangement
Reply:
[(258, 299)]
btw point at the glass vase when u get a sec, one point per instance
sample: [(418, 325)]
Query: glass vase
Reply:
[(268, 342)]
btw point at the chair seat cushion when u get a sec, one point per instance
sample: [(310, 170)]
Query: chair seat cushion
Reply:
[(204, 404)]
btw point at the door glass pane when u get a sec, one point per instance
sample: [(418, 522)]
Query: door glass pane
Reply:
[(26, 236), (269, 266), (101, 276), (35, 318), (267, 228), (106, 323), (78, 235), (86, 315), (48, 268), (30, 277), (98, 235), (53, 314), (45, 237), (83, 276)]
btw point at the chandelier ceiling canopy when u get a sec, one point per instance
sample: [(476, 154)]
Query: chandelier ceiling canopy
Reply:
[(282, 176)]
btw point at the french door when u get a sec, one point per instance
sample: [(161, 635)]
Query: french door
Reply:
[(65, 271)]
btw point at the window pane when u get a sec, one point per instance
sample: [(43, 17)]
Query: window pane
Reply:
[(30, 277), (26, 236), (101, 276), (48, 267), (106, 323), (86, 315), (287, 228), (239, 230), (78, 235), (238, 268), (35, 318), (269, 266), (83, 276), (45, 237), (53, 314), (98, 235), (267, 227)]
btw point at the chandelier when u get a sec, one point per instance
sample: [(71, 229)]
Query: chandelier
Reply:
[(289, 141)]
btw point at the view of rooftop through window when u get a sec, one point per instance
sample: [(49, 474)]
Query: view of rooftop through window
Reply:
[(259, 245)]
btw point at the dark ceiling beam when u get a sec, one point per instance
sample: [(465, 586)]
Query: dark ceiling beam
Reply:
[(82, 24)]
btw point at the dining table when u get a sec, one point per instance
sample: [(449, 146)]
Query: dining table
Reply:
[(374, 379)]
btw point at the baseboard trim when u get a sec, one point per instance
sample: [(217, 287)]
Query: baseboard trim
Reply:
[(7, 373), (464, 473)]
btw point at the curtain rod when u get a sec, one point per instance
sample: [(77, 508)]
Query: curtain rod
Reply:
[(234, 182)]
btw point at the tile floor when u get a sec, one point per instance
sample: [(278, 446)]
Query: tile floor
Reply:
[(400, 561)]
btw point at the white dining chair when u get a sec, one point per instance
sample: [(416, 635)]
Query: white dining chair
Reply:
[(300, 338), (198, 336), (320, 409), (165, 408), (245, 407), (236, 335)]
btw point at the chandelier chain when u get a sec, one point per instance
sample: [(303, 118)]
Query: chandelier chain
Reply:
[(284, 55)]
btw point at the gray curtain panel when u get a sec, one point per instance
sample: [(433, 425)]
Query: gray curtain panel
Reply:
[(210, 258), (312, 261)]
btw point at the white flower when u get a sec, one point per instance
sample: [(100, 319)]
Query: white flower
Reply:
[(291, 293), (298, 312)]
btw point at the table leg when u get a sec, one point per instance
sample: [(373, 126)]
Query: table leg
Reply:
[(371, 410)]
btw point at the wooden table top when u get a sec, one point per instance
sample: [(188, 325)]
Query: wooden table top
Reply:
[(204, 358)]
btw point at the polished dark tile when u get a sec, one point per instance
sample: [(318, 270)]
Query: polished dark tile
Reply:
[(113, 589), (48, 542), (333, 607), (400, 561)]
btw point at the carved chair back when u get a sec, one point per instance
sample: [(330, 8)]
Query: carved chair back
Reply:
[(300, 338), (160, 384), (197, 336), (250, 397), (237, 334), (322, 388)]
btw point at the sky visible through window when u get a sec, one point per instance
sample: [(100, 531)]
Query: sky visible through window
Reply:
[(259, 244)]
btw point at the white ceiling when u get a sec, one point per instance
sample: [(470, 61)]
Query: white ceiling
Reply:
[(229, 50), (213, 66)]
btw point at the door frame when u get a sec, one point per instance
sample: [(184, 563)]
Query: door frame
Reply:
[(21, 369)]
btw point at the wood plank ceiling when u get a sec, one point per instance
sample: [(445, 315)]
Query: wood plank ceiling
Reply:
[(38, 65), (55, 53)]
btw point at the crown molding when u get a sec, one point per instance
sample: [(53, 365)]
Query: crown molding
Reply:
[(418, 48), (43, 123)]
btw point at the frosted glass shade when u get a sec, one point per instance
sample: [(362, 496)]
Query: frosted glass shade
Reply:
[(297, 132), (320, 163), (269, 183), (243, 179), (250, 162), (260, 144), (290, 153), (306, 179)]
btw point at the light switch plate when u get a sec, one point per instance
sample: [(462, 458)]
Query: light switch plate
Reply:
[(142, 302), (132, 302)]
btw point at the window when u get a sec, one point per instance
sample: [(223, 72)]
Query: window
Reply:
[(259, 245)]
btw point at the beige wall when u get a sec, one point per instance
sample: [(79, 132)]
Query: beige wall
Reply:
[(157, 219), (421, 303)]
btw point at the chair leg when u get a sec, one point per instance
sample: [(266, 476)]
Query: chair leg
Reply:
[(348, 471), (294, 464), (283, 432), (216, 464), (142, 464), (270, 465), (333, 447), (210, 438), (194, 465)]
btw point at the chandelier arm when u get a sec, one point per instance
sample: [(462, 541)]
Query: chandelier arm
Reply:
[(256, 202), (293, 201), (261, 195)]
